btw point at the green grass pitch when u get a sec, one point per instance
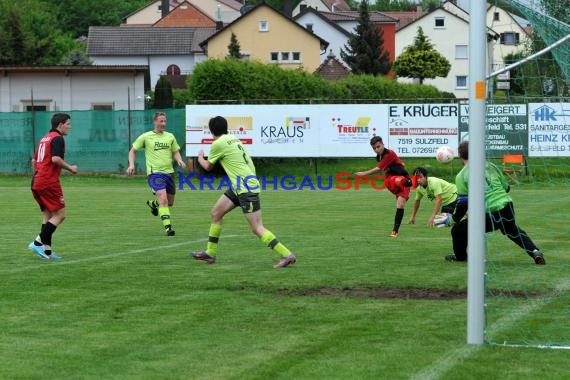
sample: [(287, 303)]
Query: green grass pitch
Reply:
[(127, 302)]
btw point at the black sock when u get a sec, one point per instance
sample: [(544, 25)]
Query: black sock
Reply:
[(47, 231), (398, 218)]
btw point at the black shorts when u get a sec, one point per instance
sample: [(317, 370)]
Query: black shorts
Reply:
[(249, 202), (450, 208), (162, 181)]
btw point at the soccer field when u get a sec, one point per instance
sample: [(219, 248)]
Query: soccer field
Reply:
[(127, 302)]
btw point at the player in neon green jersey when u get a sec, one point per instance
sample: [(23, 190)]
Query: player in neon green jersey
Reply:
[(443, 193), (160, 147), (500, 212), (230, 153)]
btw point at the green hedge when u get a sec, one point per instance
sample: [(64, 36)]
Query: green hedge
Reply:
[(254, 82)]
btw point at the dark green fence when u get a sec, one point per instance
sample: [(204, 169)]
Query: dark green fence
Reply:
[(99, 141)]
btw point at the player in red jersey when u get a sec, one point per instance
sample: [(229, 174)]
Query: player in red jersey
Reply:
[(47, 164), (397, 178)]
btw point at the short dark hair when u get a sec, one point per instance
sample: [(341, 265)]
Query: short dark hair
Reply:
[(464, 150), (375, 140), (59, 118), (422, 171), (218, 126), (158, 114)]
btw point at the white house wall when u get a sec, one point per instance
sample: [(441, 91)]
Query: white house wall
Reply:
[(335, 38), (76, 91), (315, 4), (157, 64), (505, 24), (444, 40)]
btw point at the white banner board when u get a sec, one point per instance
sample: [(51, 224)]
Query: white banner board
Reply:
[(549, 129), (329, 130)]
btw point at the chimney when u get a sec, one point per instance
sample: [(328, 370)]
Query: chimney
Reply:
[(309, 27), (164, 8), (219, 22), (302, 7)]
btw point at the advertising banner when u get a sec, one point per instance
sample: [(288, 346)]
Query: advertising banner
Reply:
[(331, 130), (418, 130), (291, 130), (506, 128), (549, 129)]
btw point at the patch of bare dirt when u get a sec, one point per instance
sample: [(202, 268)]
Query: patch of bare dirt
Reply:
[(384, 293), (396, 293)]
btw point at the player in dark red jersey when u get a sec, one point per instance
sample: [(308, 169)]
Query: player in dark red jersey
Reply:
[(397, 178), (47, 164)]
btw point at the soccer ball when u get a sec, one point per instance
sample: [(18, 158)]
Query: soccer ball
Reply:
[(445, 154)]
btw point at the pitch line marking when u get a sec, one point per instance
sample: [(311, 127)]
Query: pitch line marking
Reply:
[(102, 257), (451, 358)]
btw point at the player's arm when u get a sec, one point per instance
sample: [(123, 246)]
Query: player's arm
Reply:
[(57, 149), (131, 168), (374, 170), (178, 159), (415, 209), (436, 208), (34, 161), (62, 164), (207, 165)]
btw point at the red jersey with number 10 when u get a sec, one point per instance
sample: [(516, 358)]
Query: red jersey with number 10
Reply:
[(47, 173)]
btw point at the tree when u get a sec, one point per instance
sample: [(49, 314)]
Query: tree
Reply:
[(365, 48), (163, 97), (234, 48), (420, 60)]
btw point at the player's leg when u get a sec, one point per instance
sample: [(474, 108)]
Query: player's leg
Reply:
[(251, 206), (459, 240), (52, 205), (226, 203), (164, 211), (57, 217), (399, 215), (506, 223), (171, 189), (165, 198)]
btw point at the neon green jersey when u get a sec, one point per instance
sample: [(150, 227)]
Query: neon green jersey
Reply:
[(437, 187), (231, 154), (496, 185), (158, 150)]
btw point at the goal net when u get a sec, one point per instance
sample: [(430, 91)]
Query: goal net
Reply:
[(528, 137)]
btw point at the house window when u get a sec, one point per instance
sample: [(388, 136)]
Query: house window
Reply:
[(285, 56), (510, 38), (296, 56), (173, 70), (102, 106), (461, 81), (36, 108), (460, 51), (440, 22), (39, 105), (263, 26), (496, 16), (274, 57)]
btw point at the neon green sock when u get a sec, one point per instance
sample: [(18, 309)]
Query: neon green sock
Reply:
[(213, 237), (271, 241), (164, 213)]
